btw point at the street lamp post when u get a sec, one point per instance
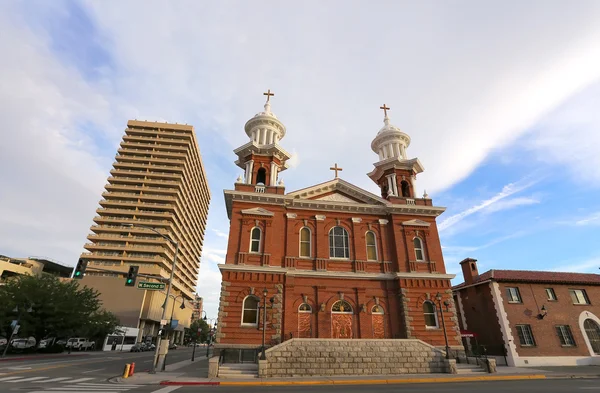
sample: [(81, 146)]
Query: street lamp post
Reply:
[(263, 356), (164, 311), (12, 333), (171, 320), (439, 299)]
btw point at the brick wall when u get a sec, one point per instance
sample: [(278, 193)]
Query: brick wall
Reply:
[(306, 357)]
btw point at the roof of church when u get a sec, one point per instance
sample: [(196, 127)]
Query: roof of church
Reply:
[(342, 182), (535, 277)]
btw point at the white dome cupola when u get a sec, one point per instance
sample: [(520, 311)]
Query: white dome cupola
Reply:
[(390, 142), (265, 128)]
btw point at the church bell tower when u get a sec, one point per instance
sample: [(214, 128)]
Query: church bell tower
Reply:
[(262, 158), (394, 173)]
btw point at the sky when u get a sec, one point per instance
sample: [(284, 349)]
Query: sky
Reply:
[(500, 99)]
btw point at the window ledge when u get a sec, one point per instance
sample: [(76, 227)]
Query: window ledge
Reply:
[(528, 346), (249, 325), (582, 304), (339, 259), (569, 346), (514, 302), (432, 327)]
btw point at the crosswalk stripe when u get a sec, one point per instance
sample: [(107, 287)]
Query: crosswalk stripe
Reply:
[(27, 379), (67, 391), (53, 380), (78, 380), (9, 378)]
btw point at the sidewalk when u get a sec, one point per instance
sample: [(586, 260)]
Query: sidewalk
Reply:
[(196, 373), (34, 356)]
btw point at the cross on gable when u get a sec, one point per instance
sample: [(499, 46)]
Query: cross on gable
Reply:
[(268, 94), (336, 169), (385, 109)]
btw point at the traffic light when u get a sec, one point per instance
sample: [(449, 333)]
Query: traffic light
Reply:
[(80, 268), (131, 276)]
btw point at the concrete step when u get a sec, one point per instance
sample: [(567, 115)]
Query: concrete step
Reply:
[(468, 368), (241, 370)]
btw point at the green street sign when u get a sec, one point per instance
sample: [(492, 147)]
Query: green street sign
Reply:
[(155, 286)]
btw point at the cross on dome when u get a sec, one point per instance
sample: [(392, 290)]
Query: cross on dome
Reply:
[(385, 109), (268, 94)]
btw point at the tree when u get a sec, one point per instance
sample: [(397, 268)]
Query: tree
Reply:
[(191, 334), (47, 306)]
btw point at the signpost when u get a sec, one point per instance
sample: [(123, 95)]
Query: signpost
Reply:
[(153, 286)]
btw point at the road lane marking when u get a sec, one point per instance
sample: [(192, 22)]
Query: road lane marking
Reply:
[(27, 379), (19, 368), (8, 378), (78, 380), (91, 371), (53, 380), (167, 389)]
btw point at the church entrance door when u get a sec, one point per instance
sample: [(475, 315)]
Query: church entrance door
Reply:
[(304, 327), (378, 323), (341, 319)]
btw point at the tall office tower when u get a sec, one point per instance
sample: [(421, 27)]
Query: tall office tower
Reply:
[(157, 190)]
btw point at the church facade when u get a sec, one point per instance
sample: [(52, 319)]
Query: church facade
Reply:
[(331, 260)]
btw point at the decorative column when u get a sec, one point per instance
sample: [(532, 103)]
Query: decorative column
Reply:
[(394, 184), (273, 181), (390, 186), (413, 186), (397, 149), (403, 151), (249, 168)]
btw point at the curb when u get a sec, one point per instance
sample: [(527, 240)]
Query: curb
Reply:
[(360, 381), (573, 376)]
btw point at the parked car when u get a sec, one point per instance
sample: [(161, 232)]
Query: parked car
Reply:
[(139, 347), (81, 344), (47, 342), (3, 341), (173, 346), (62, 341), (23, 343), (149, 346)]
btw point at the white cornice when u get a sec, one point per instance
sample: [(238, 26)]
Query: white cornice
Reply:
[(416, 223), (320, 205), (272, 149), (347, 275), (395, 163), (258, 211)]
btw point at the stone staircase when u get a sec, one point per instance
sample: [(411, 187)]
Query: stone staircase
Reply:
[(463, 368), (238, 370)]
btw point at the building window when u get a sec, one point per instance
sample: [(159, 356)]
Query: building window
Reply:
[(419, 252), (592, 331), (579, 296), (305, 242), (431, 320), (338, 243), (341, 306), (371, 247), (304, 307), (550, 294), (513, 295), (525, 336), (565, 336), (250, 311), (255, 237)]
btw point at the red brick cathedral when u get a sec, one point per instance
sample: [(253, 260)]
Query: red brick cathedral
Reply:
[(331, 260)]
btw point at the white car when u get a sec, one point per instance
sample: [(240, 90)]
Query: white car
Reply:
[(23, 343), (80, 344)]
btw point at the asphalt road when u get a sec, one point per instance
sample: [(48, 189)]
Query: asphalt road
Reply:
[(81, 372)]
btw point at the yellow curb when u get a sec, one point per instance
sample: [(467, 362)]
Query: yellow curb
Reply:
[(386, 381)]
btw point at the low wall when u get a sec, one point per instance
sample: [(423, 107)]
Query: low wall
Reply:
[(305, 357)]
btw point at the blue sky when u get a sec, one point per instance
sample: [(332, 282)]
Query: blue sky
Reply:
[(500, 100)]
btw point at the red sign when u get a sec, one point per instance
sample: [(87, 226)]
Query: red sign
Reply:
[(466, 333)]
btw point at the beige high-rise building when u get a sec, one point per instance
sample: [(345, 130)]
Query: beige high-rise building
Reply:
[(157, 181)]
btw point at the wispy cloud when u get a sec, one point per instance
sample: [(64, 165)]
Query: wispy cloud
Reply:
[(507, 191), (220, 233), (586, 266), (511, 203), (592, 219), (466, 249)]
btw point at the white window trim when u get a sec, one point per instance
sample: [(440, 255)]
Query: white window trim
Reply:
[(520, 299), (242, 323), (374, 245), (309, 244), (554, 297), (305, 311), (347, 245), (586, 299), (435, 314), (422, 248), (259, 241), (533, 344)]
